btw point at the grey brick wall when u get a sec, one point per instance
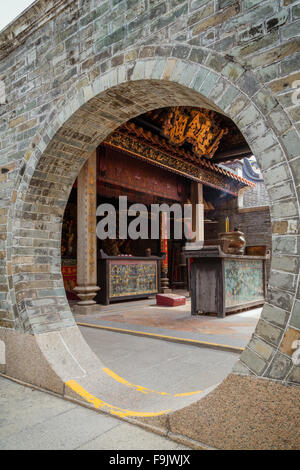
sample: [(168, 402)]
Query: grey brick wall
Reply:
[(256, 197)]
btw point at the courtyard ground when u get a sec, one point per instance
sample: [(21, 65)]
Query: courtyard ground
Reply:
[(144, 316), (166, 374), (33, 420)]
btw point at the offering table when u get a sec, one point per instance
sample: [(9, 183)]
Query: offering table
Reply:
[(223, 283)]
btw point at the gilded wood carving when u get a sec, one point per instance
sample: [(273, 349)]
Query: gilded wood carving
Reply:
[(201, 128), (143, 145)]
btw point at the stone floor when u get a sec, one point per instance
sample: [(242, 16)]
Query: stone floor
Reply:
[(143, 315), (142, 374), (33, 420), (161, 366), (162, 375)]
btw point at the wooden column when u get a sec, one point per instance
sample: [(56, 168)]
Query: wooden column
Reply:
[(165, 285), (86, 236), (198, 211)]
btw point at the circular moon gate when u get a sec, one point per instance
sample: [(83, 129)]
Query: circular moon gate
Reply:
[(46, 348)]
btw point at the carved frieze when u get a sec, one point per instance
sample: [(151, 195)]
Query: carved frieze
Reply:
[(148, 149)]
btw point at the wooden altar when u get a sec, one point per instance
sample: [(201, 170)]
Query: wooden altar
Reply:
[(222, 283), (128, 277)]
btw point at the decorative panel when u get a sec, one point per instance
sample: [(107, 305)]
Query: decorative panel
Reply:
[(158, 152), (127, 278), (244, 282)]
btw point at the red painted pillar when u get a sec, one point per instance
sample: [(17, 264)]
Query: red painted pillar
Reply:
[(165, 285)]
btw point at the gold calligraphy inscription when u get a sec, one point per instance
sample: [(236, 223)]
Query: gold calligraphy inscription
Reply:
[(201, 128)]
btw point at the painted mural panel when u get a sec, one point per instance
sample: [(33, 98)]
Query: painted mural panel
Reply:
[(132, 278), (244, 281)]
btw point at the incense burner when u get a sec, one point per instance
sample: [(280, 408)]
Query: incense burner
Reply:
[(233, 243)]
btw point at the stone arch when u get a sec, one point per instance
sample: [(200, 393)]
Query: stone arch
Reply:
[(74, 131), (171, 80)]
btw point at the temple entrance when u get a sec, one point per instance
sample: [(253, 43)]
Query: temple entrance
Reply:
[(77, 133), (181, 155), (61, 104), (142, 162)]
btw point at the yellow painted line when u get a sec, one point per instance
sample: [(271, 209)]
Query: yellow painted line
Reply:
[(145, 390), (114, 410), (174, 339)]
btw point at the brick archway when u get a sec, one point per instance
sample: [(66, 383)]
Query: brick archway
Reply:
[(76, 128)]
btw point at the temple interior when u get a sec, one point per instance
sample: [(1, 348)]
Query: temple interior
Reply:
[(166, 156)]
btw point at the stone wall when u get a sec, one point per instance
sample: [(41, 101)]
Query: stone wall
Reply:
[(257, 197), (75, 70)]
